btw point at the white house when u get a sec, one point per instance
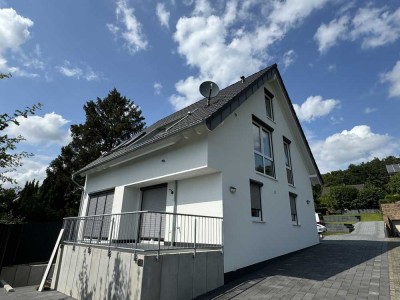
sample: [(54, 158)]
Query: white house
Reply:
[(231, 180)]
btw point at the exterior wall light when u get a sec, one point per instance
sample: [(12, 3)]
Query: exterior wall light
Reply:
[(308, 202), (232, 189)]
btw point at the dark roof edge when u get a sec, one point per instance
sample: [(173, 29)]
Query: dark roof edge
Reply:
[(299, 126), (223, 112), (85, 169)]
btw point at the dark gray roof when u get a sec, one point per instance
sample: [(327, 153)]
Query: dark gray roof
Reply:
[(392, 169), (220, 108)]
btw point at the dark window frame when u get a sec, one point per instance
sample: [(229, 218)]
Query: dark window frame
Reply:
[(269, 107), (256, 212), (288, 161), (293, 210), (262, 127)]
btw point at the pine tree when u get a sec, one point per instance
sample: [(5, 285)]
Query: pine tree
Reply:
[(109, 121)]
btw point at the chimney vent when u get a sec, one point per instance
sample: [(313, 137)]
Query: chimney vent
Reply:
[(242, 78)]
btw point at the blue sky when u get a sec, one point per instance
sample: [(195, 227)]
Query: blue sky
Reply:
[(340, 61)]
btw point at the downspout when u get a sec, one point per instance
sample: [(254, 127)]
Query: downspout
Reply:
[(81, 188)]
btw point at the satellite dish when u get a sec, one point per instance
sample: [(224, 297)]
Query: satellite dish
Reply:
[(209, 89)]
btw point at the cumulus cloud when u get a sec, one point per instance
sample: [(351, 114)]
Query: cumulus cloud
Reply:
[(374, 26), (222, 50), (68, 70), (32, 168), (163, 14), (288, 58), (328, 35), (14, 32), (315, 107), (393, 78), (352, 147), (128, 28), (157, 88), (47, 130)]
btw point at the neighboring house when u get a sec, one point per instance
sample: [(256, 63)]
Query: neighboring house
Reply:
[(391, 217), (201, 193), (393, 169)]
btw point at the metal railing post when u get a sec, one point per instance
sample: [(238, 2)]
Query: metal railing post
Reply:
[(159, 239), (195, 231), (109, 244)]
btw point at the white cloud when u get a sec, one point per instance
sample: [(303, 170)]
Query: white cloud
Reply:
[(328, 35), (369, 110), (289, 58), (332, 68), (162, 14), (315, 107), (375, 27), (14, 32), (352, 146), (157, 88), (68, 70), (128, 28), (222, 50), (47, 130), (32, 168), (393, 77)]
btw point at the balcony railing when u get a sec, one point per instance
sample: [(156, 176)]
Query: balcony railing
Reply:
[(145, 231)]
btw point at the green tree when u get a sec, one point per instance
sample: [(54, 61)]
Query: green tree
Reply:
[(369, 197), (393, 186), (109, 122), (343, 196)]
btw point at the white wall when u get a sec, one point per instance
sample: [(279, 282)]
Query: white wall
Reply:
[(231, 150)]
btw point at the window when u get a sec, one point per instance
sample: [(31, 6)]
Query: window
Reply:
[(98, 226), (263, 156), (255, 197), (293, 209), (268, 104), (288, 161)]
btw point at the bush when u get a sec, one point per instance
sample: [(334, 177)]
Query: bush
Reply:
[(390, 199)]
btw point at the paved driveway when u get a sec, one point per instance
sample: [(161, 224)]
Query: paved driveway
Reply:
[(360, 265)]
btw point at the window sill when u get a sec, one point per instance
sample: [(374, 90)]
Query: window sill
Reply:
[(291, 185), (296, 225), (258, 221), (266, 176)]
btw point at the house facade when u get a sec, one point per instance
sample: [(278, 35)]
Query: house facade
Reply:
[(242, 162)]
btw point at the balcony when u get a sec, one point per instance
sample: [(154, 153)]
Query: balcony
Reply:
[(145, 231)]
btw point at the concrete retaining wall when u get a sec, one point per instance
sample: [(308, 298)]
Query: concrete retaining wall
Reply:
[(95, 275), (24, 275), (342, 218), (339, 227)]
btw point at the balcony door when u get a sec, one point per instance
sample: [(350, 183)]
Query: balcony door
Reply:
[(154, 198), (99, 204)]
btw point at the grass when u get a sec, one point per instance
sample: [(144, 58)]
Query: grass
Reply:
[(365, 217)]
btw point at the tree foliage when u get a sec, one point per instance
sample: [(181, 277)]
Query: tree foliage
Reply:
[(369, 197), (372, 172), (9, 157), (393, 186), (109, 121)]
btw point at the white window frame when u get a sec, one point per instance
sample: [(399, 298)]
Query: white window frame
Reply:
[(293, 212), (288, 161), (264, 156)]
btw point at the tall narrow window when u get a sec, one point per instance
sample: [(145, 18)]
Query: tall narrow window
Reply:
[(293, 208), (268, 104), (288, 161), (263, 156), (255, 198)]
